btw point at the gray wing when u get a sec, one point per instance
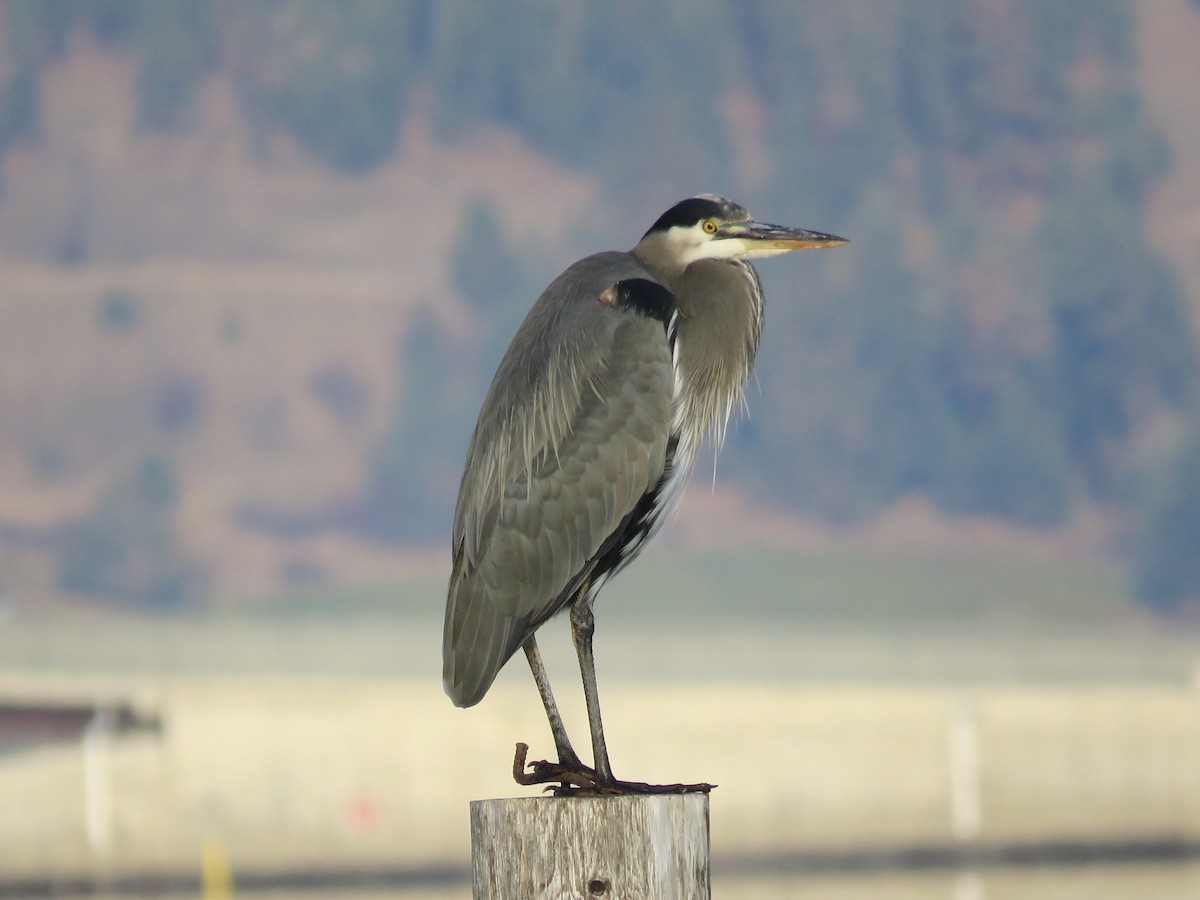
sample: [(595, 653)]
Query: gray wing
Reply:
[(572, 433)]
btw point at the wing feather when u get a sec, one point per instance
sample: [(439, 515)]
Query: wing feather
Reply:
[(572, 434)]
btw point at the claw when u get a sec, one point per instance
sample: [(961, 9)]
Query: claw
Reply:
[(578, 780)]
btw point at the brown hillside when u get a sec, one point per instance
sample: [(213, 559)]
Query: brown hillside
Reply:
[(254, 273)]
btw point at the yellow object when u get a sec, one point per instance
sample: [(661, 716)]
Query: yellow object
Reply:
[(216, 873)]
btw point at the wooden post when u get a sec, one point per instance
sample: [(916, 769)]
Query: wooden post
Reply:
[(583, 848)]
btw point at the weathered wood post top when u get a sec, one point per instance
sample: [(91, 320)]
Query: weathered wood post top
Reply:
[(649, 847)]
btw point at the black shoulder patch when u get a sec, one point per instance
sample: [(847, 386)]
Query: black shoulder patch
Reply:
[(642, 296), (688, 212)]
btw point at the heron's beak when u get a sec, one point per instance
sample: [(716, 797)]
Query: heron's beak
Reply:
[(770, 239)]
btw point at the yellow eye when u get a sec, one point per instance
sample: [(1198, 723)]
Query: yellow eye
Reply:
[(710, 227)]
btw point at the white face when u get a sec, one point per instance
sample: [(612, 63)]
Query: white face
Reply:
[(693, 242)]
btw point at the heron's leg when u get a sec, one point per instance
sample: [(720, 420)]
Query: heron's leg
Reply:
[(583, 625), (566, 754)]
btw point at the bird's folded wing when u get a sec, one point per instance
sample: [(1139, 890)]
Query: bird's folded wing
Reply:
[(571, 435)]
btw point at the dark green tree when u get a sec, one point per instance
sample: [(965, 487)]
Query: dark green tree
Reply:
[(413, 470), (613, 85), (127, 549), (336, 75), (1167, 551), (177, 42), (34, 31), (496, 283), (1122, 342)]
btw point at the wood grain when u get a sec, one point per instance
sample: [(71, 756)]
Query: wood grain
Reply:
[(617, 848)]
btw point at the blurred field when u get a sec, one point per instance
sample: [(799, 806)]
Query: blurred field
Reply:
[(846, 703), (312, 772), (847, 611)]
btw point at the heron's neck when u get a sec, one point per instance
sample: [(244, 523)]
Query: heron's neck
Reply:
[(661, 255), (720, 322)]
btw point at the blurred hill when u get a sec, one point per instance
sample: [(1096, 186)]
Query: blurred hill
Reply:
[(260, 261)]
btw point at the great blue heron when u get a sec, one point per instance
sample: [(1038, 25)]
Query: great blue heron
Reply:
[(587, 436)]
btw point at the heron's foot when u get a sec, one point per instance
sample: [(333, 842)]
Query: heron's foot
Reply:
[(573, 779), (570, 773)]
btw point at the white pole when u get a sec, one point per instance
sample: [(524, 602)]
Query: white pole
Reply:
[(962, 756), (97, 796)]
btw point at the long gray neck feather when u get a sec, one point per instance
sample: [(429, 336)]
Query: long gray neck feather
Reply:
[(720, 325)]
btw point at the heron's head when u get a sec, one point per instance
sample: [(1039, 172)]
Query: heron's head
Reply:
[(709, 227)]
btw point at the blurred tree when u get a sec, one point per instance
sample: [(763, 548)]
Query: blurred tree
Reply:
[(612, 85), (414, 469), (36, 30), (334, 75), (1122, 343), (127, 549), (900, 393), (907, 387), (341, 393), (33, 32), (18, 106), (999, 334), (178, 403), (176, 41), (119, 311), (823, 74), (497, 284), (113, 22), (1014, 463), (1167, 550)]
